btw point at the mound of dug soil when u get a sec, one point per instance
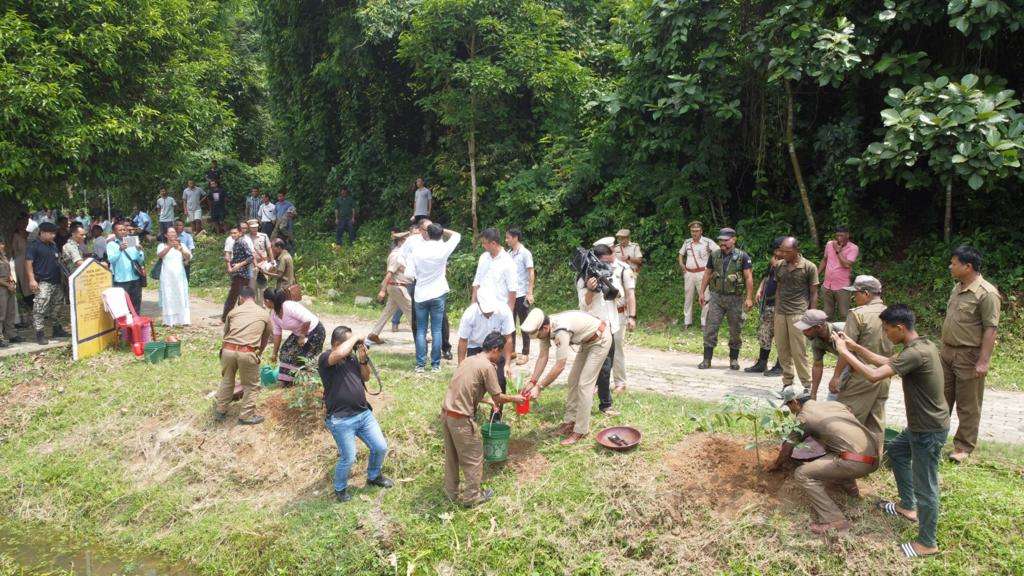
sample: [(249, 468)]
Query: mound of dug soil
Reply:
[(528, 464), (720, 473)]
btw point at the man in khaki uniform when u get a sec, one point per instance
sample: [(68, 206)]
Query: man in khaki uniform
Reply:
[(818, 331), (863, 326), (628, 252), (693, 260), (594, 339), (797, 290), (246, 333), (394, 287), (968, 337), (851, 452), (463, 448)]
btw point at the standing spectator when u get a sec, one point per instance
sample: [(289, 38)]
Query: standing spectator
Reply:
[(417, 237), (628, 252), (394, 287), (730, 281), (19, 248), (63, 232), (423, 201), (214, 174), (284, 219), (143, 224), (495, 270), (252, 204), (284, 269), (306, 340), (123, 261), (344, 217), (262, 255), (840, 254), (267, 215), (219, 206), (44, 280), (797, 290), (98, 243), (968, 338), (914, 453), (428, 265), (523, 260), (188, 242), (74, 252), (239, 269), (8, 298), (165, 206), (192, 198), (174, 302), (765, 299), (693, 260), (344, 370)]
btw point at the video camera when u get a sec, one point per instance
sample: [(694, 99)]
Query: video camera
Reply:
[(587, 265)]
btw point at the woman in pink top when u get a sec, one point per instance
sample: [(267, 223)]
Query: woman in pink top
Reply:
[(307, 334)]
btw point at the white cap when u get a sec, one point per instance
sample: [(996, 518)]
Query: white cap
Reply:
[(607, 241), (486, 301)]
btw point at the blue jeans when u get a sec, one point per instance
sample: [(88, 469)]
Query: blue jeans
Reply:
[(346, 225), (915, 464), (434, 310), (345, 431)]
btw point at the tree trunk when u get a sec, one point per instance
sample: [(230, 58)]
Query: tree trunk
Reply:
[(472, 179), (947, 223), (795, 161)]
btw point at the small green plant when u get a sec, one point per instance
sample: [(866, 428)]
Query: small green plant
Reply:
[(304, 395), (736, 411)]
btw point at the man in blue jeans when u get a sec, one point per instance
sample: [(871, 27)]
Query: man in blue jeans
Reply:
[(427, 263), (349, 415), (915, 452)]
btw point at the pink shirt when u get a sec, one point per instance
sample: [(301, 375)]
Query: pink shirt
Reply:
[(836, 276), (294, 315)]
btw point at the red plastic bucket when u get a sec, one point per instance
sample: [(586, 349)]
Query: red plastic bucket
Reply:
[(523, 408)]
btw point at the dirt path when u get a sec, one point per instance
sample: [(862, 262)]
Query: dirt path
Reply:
[(676, 373)]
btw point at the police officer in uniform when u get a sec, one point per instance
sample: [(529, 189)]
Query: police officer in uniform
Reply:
[(864, 398), (246, 333), (851, 452), (731, 280)]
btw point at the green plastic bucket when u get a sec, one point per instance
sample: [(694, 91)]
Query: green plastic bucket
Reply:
[(268, 376), (155, 352), (173, 349), (496, 436)]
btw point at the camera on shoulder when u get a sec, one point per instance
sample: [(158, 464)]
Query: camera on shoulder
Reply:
[(587, 265)]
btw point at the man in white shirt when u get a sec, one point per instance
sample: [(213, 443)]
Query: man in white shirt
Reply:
[(267, 214), (192, 198), (165, 206), (522, 258), (593, 302), (487, 314), (495, 270), (693, 259), (263, 257), (428, 263)]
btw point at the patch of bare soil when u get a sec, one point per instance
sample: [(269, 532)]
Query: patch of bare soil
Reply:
[(528, 464), (720, 473), (26, 397)]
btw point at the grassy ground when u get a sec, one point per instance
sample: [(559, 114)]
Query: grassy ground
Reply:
[(337, 275), (124, 453)]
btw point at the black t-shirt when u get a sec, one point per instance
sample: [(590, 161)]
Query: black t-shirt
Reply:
[(344, 394), (770, 284), (44, 261)]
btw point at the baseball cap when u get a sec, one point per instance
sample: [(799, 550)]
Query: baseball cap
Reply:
[(623, 232), (726, 233), (865, 283), (533, 321), (810, 319)]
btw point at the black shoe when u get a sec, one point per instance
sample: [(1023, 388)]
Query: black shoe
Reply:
[(484, 497), (762, 362), (381, 481), (706, 363), (58, 332), (15, 339), (342, 495), (41, 338), (774, 371), (219, 416), (447, 355), (4, 344), (251, 421)]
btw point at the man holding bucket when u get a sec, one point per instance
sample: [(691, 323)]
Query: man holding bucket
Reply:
[(463, 448)]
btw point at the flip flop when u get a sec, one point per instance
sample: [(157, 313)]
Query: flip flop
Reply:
[(908, 550), (889, 509)]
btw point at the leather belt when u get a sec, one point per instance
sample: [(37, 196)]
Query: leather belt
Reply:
[(696, 269), (392, 283), (237, 347), (621, 309), (452, 413), (597, 335), (854, 457)]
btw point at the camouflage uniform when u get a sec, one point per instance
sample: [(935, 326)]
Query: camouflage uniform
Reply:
[(728, 289)]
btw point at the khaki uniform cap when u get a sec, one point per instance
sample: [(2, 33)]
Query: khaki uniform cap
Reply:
[(533, 321)]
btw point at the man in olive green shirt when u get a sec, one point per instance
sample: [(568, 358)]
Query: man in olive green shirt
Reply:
[(797, 290), (818, 331), (968, 337), (914, 453), (344, 217)]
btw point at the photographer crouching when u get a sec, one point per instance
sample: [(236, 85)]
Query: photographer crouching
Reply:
[(349, 415)]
